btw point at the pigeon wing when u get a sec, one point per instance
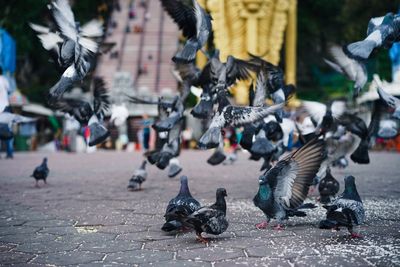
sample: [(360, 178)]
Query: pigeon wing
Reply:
[(101, 101), (183, 13), (237, 116), (390, 100), (64, 18), (237, 69), (316, 110), (259, 96), (297, 174), (93, 28)]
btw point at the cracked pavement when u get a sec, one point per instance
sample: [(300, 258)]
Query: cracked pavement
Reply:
[(85, 216)]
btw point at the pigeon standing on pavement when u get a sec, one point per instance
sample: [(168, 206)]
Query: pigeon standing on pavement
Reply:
[(41, 172), (346, 210), (139, 176), (195, 23), (328, 187), (181, 205), (211, 220), (283, 188), (382, 32)]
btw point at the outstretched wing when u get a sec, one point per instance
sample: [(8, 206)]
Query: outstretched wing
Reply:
[(315, 109), (237, 116), (297, 173), (93, 29), (101, 101), (259, 95), (64, 18), (183, 13), (238, 69)]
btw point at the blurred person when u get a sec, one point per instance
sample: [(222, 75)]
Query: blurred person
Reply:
[(187, 136), (146, 124), (70, 132), (5, 106)]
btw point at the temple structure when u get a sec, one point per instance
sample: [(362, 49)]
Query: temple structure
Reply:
[(260, 27)]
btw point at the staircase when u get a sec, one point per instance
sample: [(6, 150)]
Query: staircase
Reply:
[(149, 50)]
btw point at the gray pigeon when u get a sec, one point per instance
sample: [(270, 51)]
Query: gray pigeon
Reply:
[(211, 220), (195, 23), (328, 187), (181, 205), (382, 32), (228, 115), (284, 187), (41, 172), (139, 176), (353, 69), (346, 210)]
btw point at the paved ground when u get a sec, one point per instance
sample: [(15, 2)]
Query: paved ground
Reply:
[(86, 217)]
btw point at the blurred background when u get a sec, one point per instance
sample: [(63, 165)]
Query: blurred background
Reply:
[(292, 34)]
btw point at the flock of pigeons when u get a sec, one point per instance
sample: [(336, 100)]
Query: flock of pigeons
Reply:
[(329, 133)]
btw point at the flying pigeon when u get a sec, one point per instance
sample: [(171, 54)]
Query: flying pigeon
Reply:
[(353, 69), (89, 113), (347, 210), (328, 187), (195, 23), (139, 176), (78, 49), (41, 172), (181, 205), (392, 101), (174, 168), (382, 32), (218, 156), (228, 115), (231, 158), (211, 220), (283, 188)]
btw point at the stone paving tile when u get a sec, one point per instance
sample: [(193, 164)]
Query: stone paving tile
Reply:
[(145, 236), (12, 257), (110, 246), (49, 223), (177, 263), (323, 260), (18, 230), (256, 262), (280, 251), (68, 258), (86, 238), (45, 247), (239, 242), (175, 244), (68, 230), (6, 222), (122, 229), (139, 256), (210, 254), (6, 247), (27, 238)]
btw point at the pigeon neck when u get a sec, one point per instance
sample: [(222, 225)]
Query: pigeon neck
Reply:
[(143, 165), (220, 203), (350, 192), (184, 190)]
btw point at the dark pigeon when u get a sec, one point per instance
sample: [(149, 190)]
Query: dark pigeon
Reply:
[(328, 187), (211, 220), (41, 172), (347, 210), (283, 188), (181, 205)]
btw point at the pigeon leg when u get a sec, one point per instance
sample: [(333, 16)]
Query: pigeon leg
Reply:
[(202, 239), (355, 235), (45, 182), (37, 184), (262, 225), (279, 227)]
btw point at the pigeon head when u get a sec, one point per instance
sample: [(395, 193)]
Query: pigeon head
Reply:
[(144, 164), (45, 160), (221, 192), (350, 189), (350, 180), (184, 179)]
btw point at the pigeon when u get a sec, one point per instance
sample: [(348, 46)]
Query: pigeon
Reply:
[(231, 158), (181, 205), (211, 220), (78, 49), (89, 113), (391, 101), (347, 210), (218, 156), (41, 172), (279, 91), (228, 115), (328, 187), (382, 32), (174, 168), (139, 176), (353, 69), (283, 188), (195, 23), (174, 116)]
